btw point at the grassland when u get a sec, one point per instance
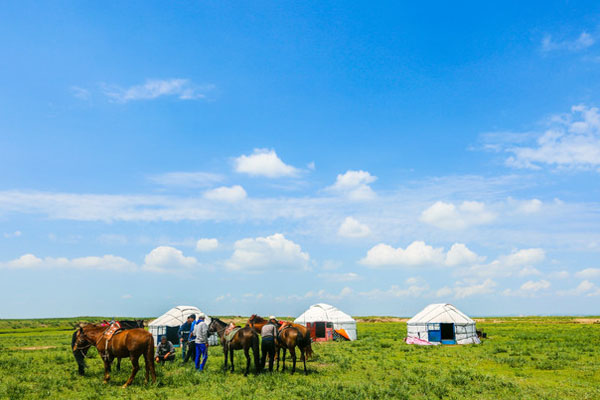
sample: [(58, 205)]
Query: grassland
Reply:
[(523, 358)]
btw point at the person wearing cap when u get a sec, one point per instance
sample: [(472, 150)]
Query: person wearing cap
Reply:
[(268, 334), (184, 335), (201, 339)]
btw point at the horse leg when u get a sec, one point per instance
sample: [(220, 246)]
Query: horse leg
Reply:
[(231, 359), (278, 354), (106, 370), (247, 354), (118, 363), (225, 354), (293, 353), (303, 360), (135, 361), (284, 350)]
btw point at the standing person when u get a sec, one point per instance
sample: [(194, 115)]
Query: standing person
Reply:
[(184, 335), (201, 334), (191, 349), (268, 334), (79, 354), (165, 351)]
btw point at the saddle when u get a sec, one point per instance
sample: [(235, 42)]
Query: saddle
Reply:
[(114, 328), (230, 331)]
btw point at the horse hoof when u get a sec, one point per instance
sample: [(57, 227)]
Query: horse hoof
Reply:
[(124, 386)]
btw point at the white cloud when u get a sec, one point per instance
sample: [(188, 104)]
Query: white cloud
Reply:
[(351, 228), (527, 206), (261, 253), (13, 234), (448, 216), (470, 288), (320, 295), (228, 194), (444, 292), (166, 258), (106, 262), (264, 162), (354, 185), (559, 275), (582, 42), (417, 253), (396, 291), (459, 254), (584, 288), (186, 179), (80, 93), (529, 270), (183, 89), (330, 265), (535, 286), (207, 244), (573, 141), (523, 257), (518, 262), (126, 296), (588, 273), (340, 277), (529, 288)]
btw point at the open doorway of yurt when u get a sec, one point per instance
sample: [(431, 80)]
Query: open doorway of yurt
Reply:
[(447, 331)]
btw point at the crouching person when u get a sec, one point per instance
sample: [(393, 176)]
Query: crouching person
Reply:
[(165, 351)]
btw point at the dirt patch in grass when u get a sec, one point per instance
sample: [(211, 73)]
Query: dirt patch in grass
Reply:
[(33, 348), (587, 320)]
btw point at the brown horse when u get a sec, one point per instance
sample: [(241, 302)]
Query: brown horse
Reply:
[(245, 338), (289, 338), (130, 343), (257, 323)]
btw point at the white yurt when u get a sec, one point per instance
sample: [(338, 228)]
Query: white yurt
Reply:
[(168, 324), (442, 323), (322, 319)]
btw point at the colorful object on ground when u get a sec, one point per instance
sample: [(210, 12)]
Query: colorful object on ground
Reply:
[(342, 333), (421, 342)]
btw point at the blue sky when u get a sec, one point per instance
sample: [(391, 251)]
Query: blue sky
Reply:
[(261, 158)]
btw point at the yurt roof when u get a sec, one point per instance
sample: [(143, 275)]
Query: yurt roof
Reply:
[(440, 313), (323, 312), (175, 316)]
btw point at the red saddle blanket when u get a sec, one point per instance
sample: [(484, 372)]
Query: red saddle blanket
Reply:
[(114, 328)]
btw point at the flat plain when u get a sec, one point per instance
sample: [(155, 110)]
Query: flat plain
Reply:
[(528, 358)]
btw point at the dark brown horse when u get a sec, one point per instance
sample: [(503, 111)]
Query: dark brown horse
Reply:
[(245, 338), (130, 343), (289, 338), (257, 323)]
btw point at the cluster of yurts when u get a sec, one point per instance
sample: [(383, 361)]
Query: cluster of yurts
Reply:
[(435, 324)]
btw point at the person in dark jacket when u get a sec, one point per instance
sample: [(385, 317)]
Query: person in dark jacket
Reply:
[(268, 334), (79, 354), (184, 335)]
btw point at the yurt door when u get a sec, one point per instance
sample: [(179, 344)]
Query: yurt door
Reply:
[(447, 331)]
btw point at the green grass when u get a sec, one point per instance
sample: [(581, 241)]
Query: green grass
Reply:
[(528, 358)]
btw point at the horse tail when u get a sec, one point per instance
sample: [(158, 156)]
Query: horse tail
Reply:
[(149, 357), (307, 345), (308, 350)]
